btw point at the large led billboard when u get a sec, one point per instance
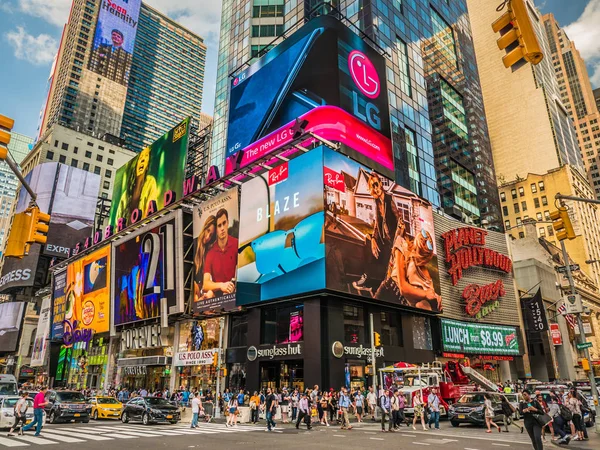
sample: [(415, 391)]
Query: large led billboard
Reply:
[(282, 247), (322, 64), (380, 237), (152, 179), (148, 266), (59, 303), (11, 316), (114, 39), (216, 228)]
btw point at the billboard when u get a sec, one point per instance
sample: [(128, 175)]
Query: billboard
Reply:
[(11, 316), (40, 344), (153, 179), (216, 230), (479, 338), (323, 64), (148, 266), (59, 303), (282, 248), (379, 236), (114, 39)]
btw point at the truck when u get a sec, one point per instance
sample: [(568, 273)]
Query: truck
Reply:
[(8, 385)]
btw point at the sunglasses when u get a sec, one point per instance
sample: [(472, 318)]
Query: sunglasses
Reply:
[(272, 256), (375, 184)]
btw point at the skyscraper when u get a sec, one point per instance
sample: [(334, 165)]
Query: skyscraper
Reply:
[(437, 119), (597, 97), (132, 75), (577, 96), (529, 127)]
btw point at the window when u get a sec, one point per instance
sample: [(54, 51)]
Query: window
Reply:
[(518, 221), (542, 187), (97, 170), (354, 325), (544, 200), (56, 144), (90, 144), (521, 234), (106, 185), (542, 232), (505, 210), (550, 230), (108, 173), (507, 224), (405, 84), (75, 150), (444, 37), (547, 215), (74, 162), (100, 147), (62, 159), (533, 188), (88, 154), (502, 197), (64, 146), (513, 192), (391, 328), (524, 206), (31, 342), (538, 216), (99, 158), (521, 192), (109, 161), (516, 208), (238, 334), (86, 166), (536, 202), (50, 155), (280, 325)]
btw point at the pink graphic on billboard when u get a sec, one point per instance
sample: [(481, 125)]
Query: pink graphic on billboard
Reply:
[(364, 74)]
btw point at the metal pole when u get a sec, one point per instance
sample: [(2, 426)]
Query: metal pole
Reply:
[(13, 166), (217, 408), (373, 354), (582, 338)]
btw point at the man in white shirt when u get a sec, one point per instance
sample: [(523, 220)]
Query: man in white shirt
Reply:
[(433, 402), (196, 405), (303, 412), (372, 402)]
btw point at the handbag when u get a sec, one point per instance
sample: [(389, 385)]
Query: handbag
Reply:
[(542, 419)]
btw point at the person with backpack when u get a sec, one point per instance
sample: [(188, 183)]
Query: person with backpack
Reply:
[(555, 410), (20, 411), (385, 404), (508, 412)]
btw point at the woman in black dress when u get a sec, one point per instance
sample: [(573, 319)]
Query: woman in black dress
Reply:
[(528, 408)]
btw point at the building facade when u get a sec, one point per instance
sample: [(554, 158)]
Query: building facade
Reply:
[(529, 126), (577, 96), (19, 147), (167, 79), (532, 198), (438, 125)]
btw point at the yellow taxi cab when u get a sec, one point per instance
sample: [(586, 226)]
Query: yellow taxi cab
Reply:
[(105, 408)]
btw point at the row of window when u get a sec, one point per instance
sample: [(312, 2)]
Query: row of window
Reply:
[(534, 190), (86, 166), (523, 206)]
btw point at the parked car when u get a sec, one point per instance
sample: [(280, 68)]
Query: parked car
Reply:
[(105, 408), (67, 406), (470, 408), (150, 410), (514, 399)]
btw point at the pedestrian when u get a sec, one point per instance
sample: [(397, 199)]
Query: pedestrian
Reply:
[(240, 398), (39, 402), (557, 421), (489, 413), (508, 412), (385, 405), (254, 405), (285, 405), (20, 412), (401, 406), (270, 408), (344, 403), (574, 405), (433, 402), (419, 410), (372, 402), (195, 410), (529, 408), (185, 397), (304, 412), (232, 408), (294, 401), (359, 405)]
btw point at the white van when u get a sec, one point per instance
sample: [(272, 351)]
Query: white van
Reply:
[(8, 385)]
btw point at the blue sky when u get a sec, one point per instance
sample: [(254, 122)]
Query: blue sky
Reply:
[(30, 32)]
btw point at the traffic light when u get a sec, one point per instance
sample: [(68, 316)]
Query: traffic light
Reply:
[(377, 339), (562, 224), (585, 364), (215, 359), (39, 224), (6, 125), (519, 37), (16, 245)]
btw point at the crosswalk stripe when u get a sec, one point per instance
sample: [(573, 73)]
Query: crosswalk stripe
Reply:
[(148, 432), (61, 438), (34, 440), (10, 443), (89, 436), (133, 433)]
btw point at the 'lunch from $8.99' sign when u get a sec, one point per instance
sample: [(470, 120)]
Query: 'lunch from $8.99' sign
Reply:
[(487, 339)]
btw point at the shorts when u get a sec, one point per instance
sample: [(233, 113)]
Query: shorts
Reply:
[(232, 410), (359, 410), (577, 422), (284, 409)]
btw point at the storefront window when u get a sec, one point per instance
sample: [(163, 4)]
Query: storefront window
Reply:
[(239, 331), (280, 374), (282, 325), (237, 377), (195, 335), (422, 333), (354, 325), (355, 374), (391, 329)]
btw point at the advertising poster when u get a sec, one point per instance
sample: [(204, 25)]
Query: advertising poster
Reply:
[(40, 344), (322, 66), (282, 247), (216, 231), (156, 173), (11, 316), (114, 39), (87, 296), (198, 341), (59, 303), (147, 268), (380, 237), (479, 338), (535, 313)]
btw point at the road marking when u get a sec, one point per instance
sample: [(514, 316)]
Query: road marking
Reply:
[(35, 440), (480, 438), (377, 439), (10, 443), (421, 443), (408, 435), (369, 432), (500, 445), (91, 437), (467, 448), (61, 438), (339, 435)]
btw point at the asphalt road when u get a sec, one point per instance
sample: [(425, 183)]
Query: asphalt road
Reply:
[(105, 435)]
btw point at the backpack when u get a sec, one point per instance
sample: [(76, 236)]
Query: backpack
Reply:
[(566, 413)]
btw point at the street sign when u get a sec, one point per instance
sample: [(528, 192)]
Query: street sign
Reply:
[(563, 269), (584, 345), (573, 304)]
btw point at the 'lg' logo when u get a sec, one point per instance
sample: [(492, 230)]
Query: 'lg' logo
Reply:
[(365, 77)]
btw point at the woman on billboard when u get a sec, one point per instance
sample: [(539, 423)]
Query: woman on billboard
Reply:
[(206, 239), (140, 188), (409, 280)]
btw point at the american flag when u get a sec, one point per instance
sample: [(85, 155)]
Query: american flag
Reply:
[(568, 317)]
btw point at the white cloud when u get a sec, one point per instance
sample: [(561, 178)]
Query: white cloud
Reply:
[(37, 50), (55, 12), (585, 32)]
